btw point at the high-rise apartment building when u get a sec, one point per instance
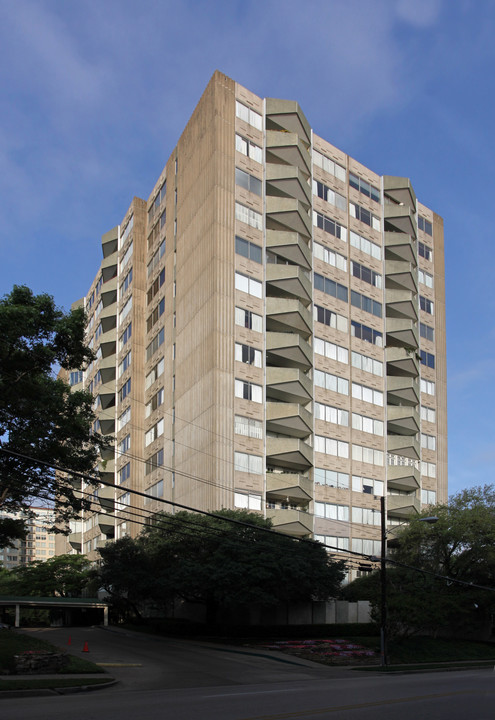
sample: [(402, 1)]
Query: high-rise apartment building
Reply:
[(39, 543), (270, 334)]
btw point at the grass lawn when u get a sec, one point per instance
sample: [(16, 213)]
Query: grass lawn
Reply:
[(12, 643)]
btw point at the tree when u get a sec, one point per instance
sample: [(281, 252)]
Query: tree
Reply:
[(460, 546), (62, 575), (40, 417), (217, 563)]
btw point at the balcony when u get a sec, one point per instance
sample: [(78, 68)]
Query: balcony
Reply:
[(403, 477), (109, 292), (291, 246), (289, 385), (287, 214), (401, 304), (403, 390), (75, 540), (106, 524), (285, 314), (406, 445), (402, 274), (108, 317), (288, 280), (106, 471), (109, 267), (287, 181), (401, 246), (287, 148), (288, 350), (288, 116), (109, 242), (291, 522), (107, 421), (287, 452), (401, 362), (403, 506), (402, 420), (288, 419), (400, 190), (402, 332), (296, 487), (107, 369)]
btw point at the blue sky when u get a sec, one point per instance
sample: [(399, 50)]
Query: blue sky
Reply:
[(95, 94)]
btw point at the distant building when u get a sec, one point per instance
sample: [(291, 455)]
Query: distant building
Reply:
[(39, 543), (269, 329)]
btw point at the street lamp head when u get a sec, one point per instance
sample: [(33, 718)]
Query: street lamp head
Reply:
[(430, 520)]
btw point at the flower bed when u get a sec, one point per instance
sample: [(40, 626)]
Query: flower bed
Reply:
[(336, 651)]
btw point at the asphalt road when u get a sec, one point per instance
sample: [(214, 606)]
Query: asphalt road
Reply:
[(175, 680)]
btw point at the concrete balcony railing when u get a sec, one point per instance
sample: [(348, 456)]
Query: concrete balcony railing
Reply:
[(106, 523), (75, 540), (287, 148), (287, 181), (403, 477), (401, 190), (291, 246), (298, 488), (109, 267), (287, 115), (284, 214), (286, 280), (403, 420), (288, 419), (287, 452), (402, 274), (107, 421), (401, 362), (406, 445), (403, 390), (402, 332), (401, 304), (286, 349), (399, 245), (288, 315), (289, 385), (403, 505), (291, 522), (107, 368), (109, 292)]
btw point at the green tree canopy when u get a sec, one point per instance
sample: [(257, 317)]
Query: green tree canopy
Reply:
[(212, 561), (39, 416), (62, 575)]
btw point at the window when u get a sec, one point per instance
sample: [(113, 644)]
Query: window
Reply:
[(127, 282), (157, 313), (331, 382), (330, 226), (330, 256), (426, 332), (331, 414), (250, 116), (155, 344), (127, 255), (155, 461), (428, 497), (249, 149), (328, 165), (366, 516), (248, 319), (248, 391), (367, 394), (364, 215), (125, 444), (428, 387), (153, 263), (330, 318), (153, 433), (126, 336), (248, 285), (248, 216), (124, 418), (428, 469), (125, 473), (331, 511), (248, 501), (331, 351), (247, 354), (156, 286), (155, 373), (329, 195), (154, 403), (248, 249), (367, 424), (360, 453), (367, 485), (366, 364), (365, 303), (330, 446), (154, 491), (425, 278), (125, 310), (429, 442), (426, 305), (248, 182), (76, 377), (366, 547), (331, 478), (365, 245), (428, 414), (125, 390), (364, 187), (366, 274), (125, 363), (362, 332), (243, 462), (425, 251), (248, 427), (330, 287), (425, 225), (427, 359)]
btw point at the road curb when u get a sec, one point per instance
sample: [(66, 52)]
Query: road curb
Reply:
[(46, 692)]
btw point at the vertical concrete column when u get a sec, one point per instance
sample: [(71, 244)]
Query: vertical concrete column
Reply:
[(17, 616), (105, 616)]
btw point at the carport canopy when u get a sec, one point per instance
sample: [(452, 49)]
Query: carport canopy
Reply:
[(43, 603)]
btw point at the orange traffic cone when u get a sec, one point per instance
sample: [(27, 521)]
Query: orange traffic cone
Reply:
[(85, 648)]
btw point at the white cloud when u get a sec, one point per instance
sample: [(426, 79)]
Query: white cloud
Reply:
[(419, 13)]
